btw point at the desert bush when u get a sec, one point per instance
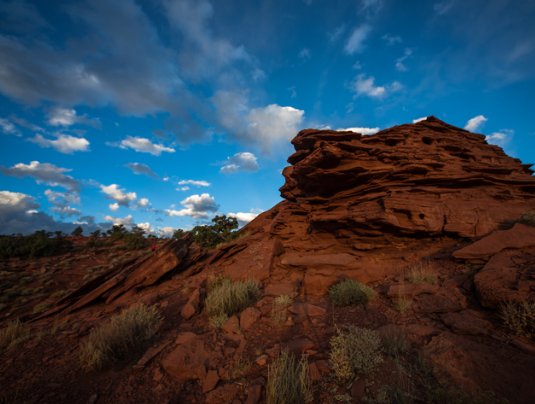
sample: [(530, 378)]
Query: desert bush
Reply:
[(519, 318), (350, 292), (26, 279), (289, 381), (283, 300), (41, 307), (394, 341), (135, 239), (58, 294), (41, 243), (123, 336), (14, 334), (402, 304), (527, 219), (239, 369), (232, 298), (356, 351), (441, 394)]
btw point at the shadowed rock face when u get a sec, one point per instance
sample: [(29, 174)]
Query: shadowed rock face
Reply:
[(426, 179)]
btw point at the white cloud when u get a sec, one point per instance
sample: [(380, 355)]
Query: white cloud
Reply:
[(147, 227), (355, 43), (366, 86), (501, 138), (12, 202), (199, 207), (64, 144), (165, 178), (66, 117), (138, 168), (357, 65), (195, 183), (243, 218), (68, 197), (475, 123), (113, 192), (391, 40), (264, 126), (143, 202), (364, 131), (45, 172), (305, 54), (24, 123), (142, 145), (66, 211), (258, 74), (127, 221), (240, 162), (166, 231), (399, 61), (114, 207), (182, 189), (8, 128), (292, 89), (419, 119)]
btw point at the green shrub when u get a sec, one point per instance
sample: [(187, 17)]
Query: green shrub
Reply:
[(135, 239), (14, 334), (283, 300), (520, 318), (356, 351), (125, 335), (350, 292), (41, 307), (527, 219), (232, 298), (26, 279), (289, 381), (58, 294), (221, 231), (394, 341)]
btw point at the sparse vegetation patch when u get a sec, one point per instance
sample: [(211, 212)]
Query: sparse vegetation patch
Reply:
[(289, 381), (123, 336), (14, 334), (527, 219), (350, 292), (231, 298), (353, 352)]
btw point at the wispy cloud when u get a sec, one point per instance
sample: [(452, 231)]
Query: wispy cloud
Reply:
[(58, 116), (44, 173), (66, 144), (8, 128), (355, 43), (365, 86), (364, 131), (475, 123), (142, 145), (138, 168)]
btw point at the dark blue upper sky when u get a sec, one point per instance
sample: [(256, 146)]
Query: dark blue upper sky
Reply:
[(163, 113)]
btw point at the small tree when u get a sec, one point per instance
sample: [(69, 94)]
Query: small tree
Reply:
[(95, 234), (219, 232), (178, 234), (78, 231), (117, 232), (135, 239)]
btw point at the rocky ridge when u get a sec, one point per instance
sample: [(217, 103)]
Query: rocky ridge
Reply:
[(369, 208)]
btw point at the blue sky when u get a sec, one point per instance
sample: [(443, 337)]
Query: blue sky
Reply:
[(163, 113)]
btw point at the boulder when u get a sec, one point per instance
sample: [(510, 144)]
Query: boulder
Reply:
[(248, 317), (466, 323), (446, 300), (307, 309), (411, 289)]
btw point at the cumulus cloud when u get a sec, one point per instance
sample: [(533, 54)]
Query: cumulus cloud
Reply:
[(18, 214), (66, 211), (244, 218), (44, 173), (262, 126), (475, 123), (364, 131), (501, 138), (147, 227), (8, 128), (138, 168), (64, 143), (167, 231), (142, 145), (305, 54), (126, 221), (182, 189), (113, 192), (114, 207), (58, 116), (198, 207), (240, 162), (61, 201), (419, 119), (355, 43), (195, 183), (366, 86)]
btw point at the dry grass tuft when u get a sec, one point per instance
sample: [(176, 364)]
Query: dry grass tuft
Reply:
[(232, 298), (13, 335), (395, 341), (423, 274), (520, 318), (123, 336), (402, 304), (350, 292), (289, 381)]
